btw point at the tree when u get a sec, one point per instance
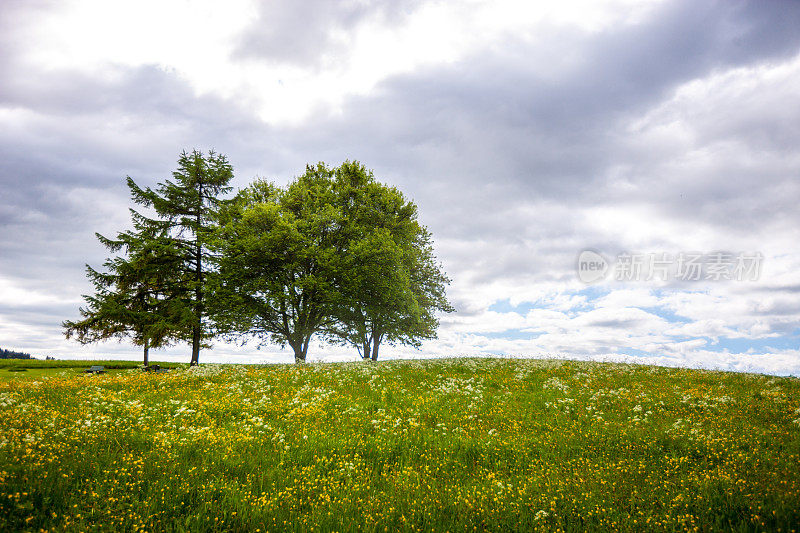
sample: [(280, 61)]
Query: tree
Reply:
[(334, 253), (389, 282), (276, 251), (134, 297), (11, 354), (186, 209)]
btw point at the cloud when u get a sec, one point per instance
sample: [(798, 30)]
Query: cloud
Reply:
[(524, 139), (314, 31)]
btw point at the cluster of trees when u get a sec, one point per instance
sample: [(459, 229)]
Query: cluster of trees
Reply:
[(334, 255), (11, 354)]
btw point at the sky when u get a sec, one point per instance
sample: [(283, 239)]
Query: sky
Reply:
[(628, 133)]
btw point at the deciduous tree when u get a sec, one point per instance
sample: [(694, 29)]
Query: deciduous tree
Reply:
[(391, 286), (276, 252)]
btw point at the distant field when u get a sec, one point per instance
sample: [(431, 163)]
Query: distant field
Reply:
[(36, 368), (461, 444), (66, 363)]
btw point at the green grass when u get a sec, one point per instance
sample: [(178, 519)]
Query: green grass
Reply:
[(461, 444), (65, 363), (37, 368)]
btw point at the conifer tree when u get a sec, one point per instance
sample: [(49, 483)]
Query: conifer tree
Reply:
[(185, 212), (134, 296)]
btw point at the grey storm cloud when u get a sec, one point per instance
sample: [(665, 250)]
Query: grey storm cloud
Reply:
[(495, 104), (493, 132), (503, 153)]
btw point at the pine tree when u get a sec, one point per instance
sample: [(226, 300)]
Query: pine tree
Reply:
[(135, 297), (186, 209)]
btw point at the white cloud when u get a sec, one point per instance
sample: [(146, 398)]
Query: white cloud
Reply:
[(197, 40), (526, 132)]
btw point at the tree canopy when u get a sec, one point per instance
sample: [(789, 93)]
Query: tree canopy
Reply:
[(135, 295), (276, 255), (391, 286), (186, 211), (334, 254)]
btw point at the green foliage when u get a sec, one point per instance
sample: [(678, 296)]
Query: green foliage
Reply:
[(276, 250), (187, 209), (334, 253), (136, 296), (391, 286), (11, 354), (156, 293)]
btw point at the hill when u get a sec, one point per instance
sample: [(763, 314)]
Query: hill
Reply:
[(461, 444)]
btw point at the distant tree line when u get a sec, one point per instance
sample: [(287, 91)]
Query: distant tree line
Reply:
[(334, 255), (11, 354)]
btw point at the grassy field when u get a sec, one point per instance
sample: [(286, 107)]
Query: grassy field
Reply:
[(448, 445), (37, 368)]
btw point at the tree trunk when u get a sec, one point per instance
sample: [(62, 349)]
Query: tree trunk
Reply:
[(306, 342), (376, 343), (299, 352), (198, 309), (146, 352), (195, 346), (198, 277), (366, 347)]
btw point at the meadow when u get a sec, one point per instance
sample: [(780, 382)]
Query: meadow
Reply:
[(35, 368), (429, 445)]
